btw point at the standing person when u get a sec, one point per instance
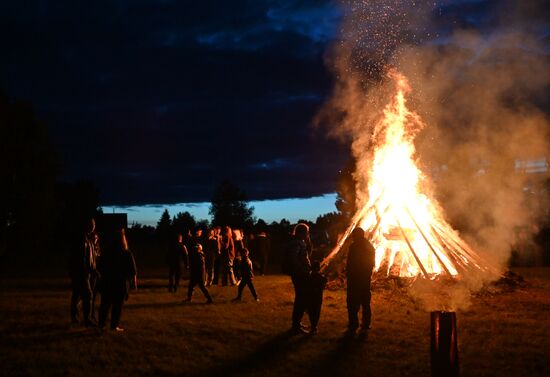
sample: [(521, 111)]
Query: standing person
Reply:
[(262, 251), (197, 272), (95, 278), (299, 269), (247, 276), (118, 270), (359, 268), (212, 250), (177, 253), (217, 260), (197, 237), (239, 246), (227, 255), (317, 283), (82, 265)]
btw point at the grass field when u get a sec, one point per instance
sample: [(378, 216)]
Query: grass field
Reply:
[(501, 334)]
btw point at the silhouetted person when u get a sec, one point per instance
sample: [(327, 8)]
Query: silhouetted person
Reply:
[(217, 260), (300, 269), (261, 252), (317, 283), (239, 247), (82, 265), (177, 253), (118, 271), (197, 237), (197, 272), (360, 263), (211, 252), (227, 256), (247, 276), (94, 277)]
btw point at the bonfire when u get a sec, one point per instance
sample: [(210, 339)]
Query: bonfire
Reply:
[(403, 222)]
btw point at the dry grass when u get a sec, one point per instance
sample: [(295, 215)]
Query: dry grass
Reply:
[(506, 334)]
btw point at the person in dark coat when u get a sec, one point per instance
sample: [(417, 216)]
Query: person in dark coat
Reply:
[(299, 274), (211, 252), (118, 272), (261, 251), (177, 253), (247, 276), (197, 272), (317, 283), (360, 263), (82, 266)]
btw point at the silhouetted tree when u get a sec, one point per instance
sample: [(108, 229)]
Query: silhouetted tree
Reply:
[(229, 207), (203, 224), (332, 223), (28, 167), (164, 226), (183, 222), (76, 202), (260, 226)]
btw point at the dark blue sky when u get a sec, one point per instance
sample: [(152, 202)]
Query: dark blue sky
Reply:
[(158, 101)]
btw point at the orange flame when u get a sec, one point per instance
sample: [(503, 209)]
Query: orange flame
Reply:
[(405, 226)]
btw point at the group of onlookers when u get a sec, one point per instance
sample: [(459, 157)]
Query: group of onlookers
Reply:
[(222, 257)]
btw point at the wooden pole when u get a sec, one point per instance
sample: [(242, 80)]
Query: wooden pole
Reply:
[(356, 218), (412, 250), (429, 244)]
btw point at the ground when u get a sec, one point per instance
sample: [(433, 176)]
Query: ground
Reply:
[(505, 333)]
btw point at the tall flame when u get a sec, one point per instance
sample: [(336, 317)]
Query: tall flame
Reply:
[(405, 225)]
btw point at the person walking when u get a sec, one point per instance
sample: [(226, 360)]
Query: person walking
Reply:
[(247, 276), (197, 272)]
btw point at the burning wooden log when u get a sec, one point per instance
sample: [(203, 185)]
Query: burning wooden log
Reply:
[(412, 250), (444, 349), (429, 244), (358, 216)]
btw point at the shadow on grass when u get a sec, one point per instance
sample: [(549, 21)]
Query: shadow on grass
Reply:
[(341, 360), (270, 352)]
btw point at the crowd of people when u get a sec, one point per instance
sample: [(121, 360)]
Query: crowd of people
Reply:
[(222, 257)]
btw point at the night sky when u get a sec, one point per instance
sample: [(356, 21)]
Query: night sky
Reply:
[(159, 101)]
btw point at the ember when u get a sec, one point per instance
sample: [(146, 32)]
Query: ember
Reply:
[(404, 224)]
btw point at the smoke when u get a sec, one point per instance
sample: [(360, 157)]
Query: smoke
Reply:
[(479, 87), (477, 94)]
